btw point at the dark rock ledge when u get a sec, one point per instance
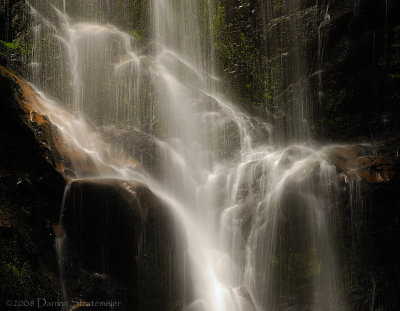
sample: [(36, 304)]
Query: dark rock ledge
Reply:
[(352, 162), (122, 244)]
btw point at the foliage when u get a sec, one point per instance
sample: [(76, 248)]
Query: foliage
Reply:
[(10, 45), (238, 44), (17, 46), (136, 35)]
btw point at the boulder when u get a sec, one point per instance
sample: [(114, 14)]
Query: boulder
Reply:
[(27, 109), (26, 138), (30, 194), (351, 163), (5, 221), (122, 231), (121, 242)]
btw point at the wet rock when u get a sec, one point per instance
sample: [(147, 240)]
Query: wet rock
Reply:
[(122, 230), (376, 169), (292, 155), (360, 97), (24, 107), (26, 139), (5, 221), (121, 241), (135, 143), (30, 192), (373, 169)]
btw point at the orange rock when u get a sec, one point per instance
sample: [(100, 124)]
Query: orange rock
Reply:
[(59, 150), (32, 116), (5, 221), (376, 169), (372, 169)]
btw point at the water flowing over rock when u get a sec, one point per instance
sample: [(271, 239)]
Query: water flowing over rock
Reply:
[(235, 246), (166, 193), (30, 190), (118, 232), (132, 220), (27, 138)]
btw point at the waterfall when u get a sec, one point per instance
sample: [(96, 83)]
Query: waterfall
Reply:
[(256, 212)]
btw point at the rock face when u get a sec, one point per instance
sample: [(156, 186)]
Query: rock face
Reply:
[(63, 157), (120, 230), (367, 225), (372, 169), (26, 139), (121, 242), (340, 56), (30, 192), (360, 72)]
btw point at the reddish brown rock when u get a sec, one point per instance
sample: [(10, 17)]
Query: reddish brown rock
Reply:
[(5, 221), (33, 115), (115, 229), (373, 169)]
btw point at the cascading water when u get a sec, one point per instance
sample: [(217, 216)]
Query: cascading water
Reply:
[(256, 216)]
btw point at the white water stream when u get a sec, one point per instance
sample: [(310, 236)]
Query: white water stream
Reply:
[(251, 211)]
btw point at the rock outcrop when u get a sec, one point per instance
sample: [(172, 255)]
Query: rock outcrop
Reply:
[(30, 195), (117, 240), (26, 138), (121, 231), (351, 163), (374, 169)]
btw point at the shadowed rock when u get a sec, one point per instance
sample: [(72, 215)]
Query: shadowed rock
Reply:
[(26, 136), (121, 241), (121, 230)]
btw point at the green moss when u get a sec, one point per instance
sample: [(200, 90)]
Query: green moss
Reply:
[(136, 35), (251, 78), (25, 248), (10, 45), (17, 46), (277, 6)]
